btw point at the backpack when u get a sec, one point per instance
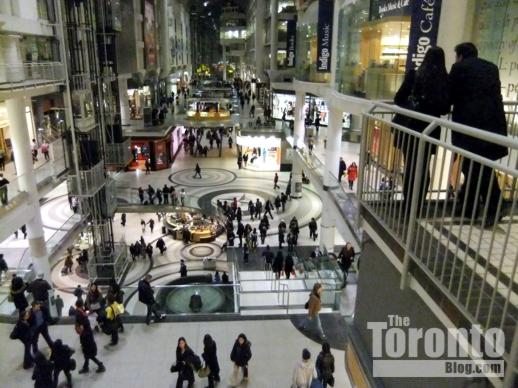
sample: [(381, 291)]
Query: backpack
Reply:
[(196, 362)]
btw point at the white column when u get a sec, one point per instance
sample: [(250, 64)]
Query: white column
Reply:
[(274, 33), (123, 101), (224, 63), (298, 125), (296, 178), (165, 52), (27, 181), (332, 157), (259, 38)]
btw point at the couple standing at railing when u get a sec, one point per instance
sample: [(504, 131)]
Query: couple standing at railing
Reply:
[(473, 88)]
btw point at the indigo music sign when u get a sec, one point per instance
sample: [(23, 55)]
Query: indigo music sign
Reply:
[(324, 35)]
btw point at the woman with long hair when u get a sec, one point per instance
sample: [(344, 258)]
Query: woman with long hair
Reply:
[(210, 357), (424, 90), (185, 361), (314, 305)]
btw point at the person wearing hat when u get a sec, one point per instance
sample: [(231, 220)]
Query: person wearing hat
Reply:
[(303, 372)]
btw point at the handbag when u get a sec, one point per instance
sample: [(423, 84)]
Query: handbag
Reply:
[(236, 377), (204, 371), (174, 368), (79, 328), (72, 364)]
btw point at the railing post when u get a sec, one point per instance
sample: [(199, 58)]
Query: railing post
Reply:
[(363, 152), (416, 192)]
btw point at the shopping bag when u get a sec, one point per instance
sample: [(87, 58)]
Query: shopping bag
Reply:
[(236, 377), (204, 372)]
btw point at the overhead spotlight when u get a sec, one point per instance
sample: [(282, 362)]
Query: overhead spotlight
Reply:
[(205, 3)]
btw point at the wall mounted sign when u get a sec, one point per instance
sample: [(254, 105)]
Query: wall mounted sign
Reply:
[(324, 35)]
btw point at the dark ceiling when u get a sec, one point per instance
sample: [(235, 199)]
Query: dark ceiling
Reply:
[(210, 10)]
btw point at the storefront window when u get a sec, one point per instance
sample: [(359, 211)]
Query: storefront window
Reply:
[(494, 32), (372, 48), (306, 61)]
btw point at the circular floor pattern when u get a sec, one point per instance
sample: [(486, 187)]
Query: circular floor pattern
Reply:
[(210, 177), (199, 251), (242, 198), (55, 212), (178, 300)]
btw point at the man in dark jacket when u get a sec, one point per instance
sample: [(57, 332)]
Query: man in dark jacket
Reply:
[(477, 101), (39, 288), (341, 169), (146, 296), (18, 288)]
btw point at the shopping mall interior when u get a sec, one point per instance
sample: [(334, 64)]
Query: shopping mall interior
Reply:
[(259, 193)]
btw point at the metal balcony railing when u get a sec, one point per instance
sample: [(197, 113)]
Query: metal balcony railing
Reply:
[(89, 181), (12, 75), (452, 210), (113, 265), (118, 153)]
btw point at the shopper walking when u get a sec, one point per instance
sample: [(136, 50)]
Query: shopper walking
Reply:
[(210, 357), (346, 257), (281, 232), (147, 164), (123, 219), (38, 320), (342, 167), (325, 366), (352, 174), (3, 189), (276, 181), (477, 101), (424, 91), (86, 338), (62, 358), (268, 207), (22, 332), (313, 229), (42, 373), (146, 296), (314, 305), (278, 264), (186, 360), (141, 194), (288, 266), (197, 171), (151, 224), (303, 372), (45, 150), (241, 354)]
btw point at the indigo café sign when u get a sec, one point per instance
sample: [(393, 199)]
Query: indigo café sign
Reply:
[(324, 35), (423, 30)]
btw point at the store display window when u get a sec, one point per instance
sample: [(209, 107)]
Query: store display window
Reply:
[(264, 152), (372, 48)]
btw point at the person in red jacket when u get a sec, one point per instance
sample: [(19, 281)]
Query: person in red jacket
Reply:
[(352, 174)]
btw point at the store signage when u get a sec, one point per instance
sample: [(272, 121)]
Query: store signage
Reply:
[(424, 26), (291, 42), (385, 8), (324, 36)]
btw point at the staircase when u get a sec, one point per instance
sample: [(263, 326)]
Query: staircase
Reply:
[(262, 294)]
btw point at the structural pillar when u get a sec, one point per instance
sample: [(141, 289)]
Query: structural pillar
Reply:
[(27, 181), (123, 101), (298, 125), (332, 158), (298, 141), (224, 63), (274, 33), (259, 38)]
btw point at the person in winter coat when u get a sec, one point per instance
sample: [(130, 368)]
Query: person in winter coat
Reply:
[(475, 93), (185, 361), (42, 373), (268, 207), (146, 296), (314, 305), (160, 244), (303, 372), (282, 232), (86, 338), (112, 319), (325, 366), (17, 291), (241, 353), (346, 257), (278, 264), (342, 167), (425, 91), (352, 174), (61, 357), (313, 229), (22, 332), (294, 229), (39, 319), (94, 301), (288, 266), (210, 357)]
